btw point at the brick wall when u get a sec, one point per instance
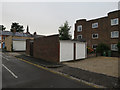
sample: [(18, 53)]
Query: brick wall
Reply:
[(8, 43), (28, 46), (47, 48)]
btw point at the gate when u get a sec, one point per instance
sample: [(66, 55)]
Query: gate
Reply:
[(31, 48)]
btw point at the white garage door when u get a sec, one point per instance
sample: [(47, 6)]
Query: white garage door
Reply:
[(80, 50), (19, 45), (0, 45), (66, 51)]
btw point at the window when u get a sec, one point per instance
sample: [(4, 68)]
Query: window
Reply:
[(94, 46), (79, 28), (94, 25), (115, 34), (3, 38), (79, 37), (114, 47), (114, 21), (94, 36)]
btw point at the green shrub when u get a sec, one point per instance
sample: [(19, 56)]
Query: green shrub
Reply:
[(118, 45), (102, 48)]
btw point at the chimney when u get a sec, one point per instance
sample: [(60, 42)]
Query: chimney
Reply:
[(27, 29), (34, 33)]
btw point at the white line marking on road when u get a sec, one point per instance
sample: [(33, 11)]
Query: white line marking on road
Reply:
[(5, 58), (10, 71)]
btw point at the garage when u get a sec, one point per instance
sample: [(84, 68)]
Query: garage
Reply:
[(72, 50), (50, 48), (66, 50), (19, 44)]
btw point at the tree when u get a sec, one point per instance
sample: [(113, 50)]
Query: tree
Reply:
[(101, 48), (17, 27), (2, 27), (64, 33)]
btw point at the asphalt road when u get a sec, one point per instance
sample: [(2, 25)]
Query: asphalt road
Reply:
[(19, 74)]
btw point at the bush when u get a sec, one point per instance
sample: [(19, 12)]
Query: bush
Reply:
[(102, 48), (118, 45)]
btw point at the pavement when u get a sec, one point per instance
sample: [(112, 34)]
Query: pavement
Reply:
[(86, 76), (19, 73), (101, 64), (40, 61)]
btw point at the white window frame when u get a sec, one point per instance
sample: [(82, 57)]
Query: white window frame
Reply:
[(113, 21), (93, 45), (114, 49), (95, 25), (78, 36), (113, 32), (95, 37), (80, 26)]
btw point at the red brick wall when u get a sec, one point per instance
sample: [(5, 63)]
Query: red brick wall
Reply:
[(28, 46), (47, 48)]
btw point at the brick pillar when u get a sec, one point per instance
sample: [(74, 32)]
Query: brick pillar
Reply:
[(74, 51)]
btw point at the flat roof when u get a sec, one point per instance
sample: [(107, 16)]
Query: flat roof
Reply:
[(19, 39)]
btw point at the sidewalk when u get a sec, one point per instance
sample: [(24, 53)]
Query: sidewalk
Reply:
[(40, 61), (92, 77), (101, 64), (99, 79)]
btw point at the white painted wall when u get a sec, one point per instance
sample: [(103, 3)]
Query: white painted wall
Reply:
[(80, 50), (66, 50), (0, 44), (19, 45)]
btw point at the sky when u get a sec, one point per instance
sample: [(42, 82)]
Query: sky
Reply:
[(45, 18)]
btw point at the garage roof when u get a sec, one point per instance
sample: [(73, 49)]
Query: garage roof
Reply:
[(19, 39)]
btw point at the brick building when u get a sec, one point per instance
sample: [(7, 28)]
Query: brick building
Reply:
[(101, 30), (3, 35)]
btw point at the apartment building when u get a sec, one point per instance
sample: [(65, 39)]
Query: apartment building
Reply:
[(101, 30)]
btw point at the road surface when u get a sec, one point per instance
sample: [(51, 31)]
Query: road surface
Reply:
[(19, 74)]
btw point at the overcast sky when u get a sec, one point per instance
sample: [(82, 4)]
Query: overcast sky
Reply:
[(46, 17)]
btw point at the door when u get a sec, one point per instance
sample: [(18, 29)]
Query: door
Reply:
[(80, 50), (3, 45), (66, 51), (19, 45), (31, 48)]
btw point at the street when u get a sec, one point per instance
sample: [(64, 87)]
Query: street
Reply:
[(19, 74)]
